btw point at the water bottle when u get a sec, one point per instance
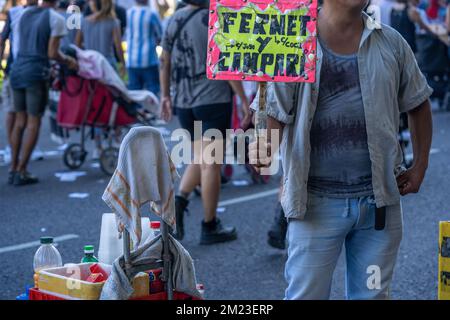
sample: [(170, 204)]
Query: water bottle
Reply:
[(156, 227), (47, 256), (89, 255)]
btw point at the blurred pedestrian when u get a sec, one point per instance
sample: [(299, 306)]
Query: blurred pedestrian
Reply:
[(433, 9), (119, 10), (447, 24), (12, 18), (100, 31), (401, 21), (71, 34), (143, 35), (195, 98), (447, 17), (419, 17), (163, 8), (432, 52), (342, 162), (40, 31), (385, 7)]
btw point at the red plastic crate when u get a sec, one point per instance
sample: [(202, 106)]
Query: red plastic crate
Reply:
[(36, 294), (163, 296)]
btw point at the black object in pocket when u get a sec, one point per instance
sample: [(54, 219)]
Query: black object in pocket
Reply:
[(380, 218)]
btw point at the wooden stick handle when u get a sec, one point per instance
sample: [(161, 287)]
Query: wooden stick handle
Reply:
[(261, 115), (262, 96)]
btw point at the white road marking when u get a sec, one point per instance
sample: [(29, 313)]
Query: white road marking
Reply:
[(36, 243), (63, 147), (221, 209), (433, 151), (240, 183), (249, 198), (70, 176), (78, 195), (52, 153)]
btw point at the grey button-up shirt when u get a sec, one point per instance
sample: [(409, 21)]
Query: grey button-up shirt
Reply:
[(391, 83)]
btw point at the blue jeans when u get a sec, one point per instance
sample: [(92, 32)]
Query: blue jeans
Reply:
[(144, 78), (315, 244)]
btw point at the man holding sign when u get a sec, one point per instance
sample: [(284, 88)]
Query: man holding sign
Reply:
[(341, 159)]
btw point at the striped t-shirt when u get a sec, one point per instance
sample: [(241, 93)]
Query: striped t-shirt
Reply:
[(143, 34)]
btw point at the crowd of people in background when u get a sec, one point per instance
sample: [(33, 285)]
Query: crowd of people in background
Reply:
[(103, 27), (425, 24), (166, 54)]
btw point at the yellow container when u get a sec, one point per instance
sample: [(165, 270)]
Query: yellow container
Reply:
[(444, 261), (66, 282)]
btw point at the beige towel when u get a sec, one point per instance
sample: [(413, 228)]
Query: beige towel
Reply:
[(144, 174)]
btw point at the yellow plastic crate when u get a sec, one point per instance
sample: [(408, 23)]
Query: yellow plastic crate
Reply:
[(444, 261), (65, 281)]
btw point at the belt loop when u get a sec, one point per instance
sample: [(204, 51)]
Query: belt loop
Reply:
[(362, 208), (347, 208)]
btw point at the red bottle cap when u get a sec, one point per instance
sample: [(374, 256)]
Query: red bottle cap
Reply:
[(155, 224)]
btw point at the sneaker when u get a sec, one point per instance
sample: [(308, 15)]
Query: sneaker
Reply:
[(11, 175), (180, 207), (215, 232), (96, 154), (24, 178), (37, 155), (278, 230)]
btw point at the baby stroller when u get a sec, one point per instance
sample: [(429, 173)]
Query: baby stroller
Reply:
[(87, 105)]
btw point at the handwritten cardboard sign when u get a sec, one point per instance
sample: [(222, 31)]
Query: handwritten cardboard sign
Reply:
[(262, 40)]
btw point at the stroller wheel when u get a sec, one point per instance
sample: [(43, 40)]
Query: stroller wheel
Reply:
[(108, 160), (74, 156)]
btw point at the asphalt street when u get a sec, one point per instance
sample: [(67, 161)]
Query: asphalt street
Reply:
[(244, 269)]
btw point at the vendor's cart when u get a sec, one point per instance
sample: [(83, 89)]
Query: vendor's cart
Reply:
[(162, 256), (165, 265)]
